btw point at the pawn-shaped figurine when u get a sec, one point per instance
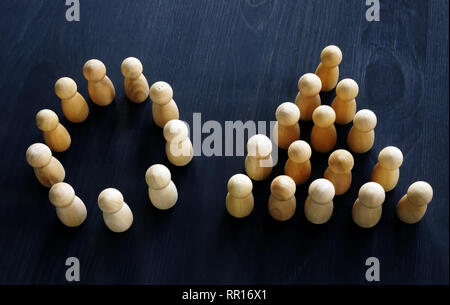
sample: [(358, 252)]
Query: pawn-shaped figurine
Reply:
[(386, 172), (161, 189), (412, 207), (259, 163), (282, 202), (136, 85), (339, 171), (286, 128), (164, 107), (179, 149), (239, 201), (101, 89), (319, 203), (308, 98), (116, 213), (328, 69), (298, 165), (366, 211), (55, 134), (344, 104), (73, 104), (69, 207), (361, 136), (323, 133), (48, 169)]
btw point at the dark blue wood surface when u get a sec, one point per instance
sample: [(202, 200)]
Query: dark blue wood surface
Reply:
[(229, 60)]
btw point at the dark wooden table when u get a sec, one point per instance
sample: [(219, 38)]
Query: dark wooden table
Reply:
[(229, 61)]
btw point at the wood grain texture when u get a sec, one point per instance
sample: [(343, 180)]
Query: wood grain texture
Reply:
[(229, 60)]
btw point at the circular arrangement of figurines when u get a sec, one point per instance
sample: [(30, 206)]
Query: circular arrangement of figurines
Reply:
[(163, 194)]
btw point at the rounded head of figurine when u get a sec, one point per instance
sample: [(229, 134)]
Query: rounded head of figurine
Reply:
[(65, 88), (331, 56), (158, 176), (283, 187), (259, 146), (321, 191), (324, 116), (390, 157), (94, 70), (38, 155), (175, 131), (341, 161), (287, 114), (299, 151), (420, 193), (61, 194), (161, 93), (371, 195), (347, 89), (47, 120), (110, 200), (131, 68), (365, 120), (240, 186), (309, 84)]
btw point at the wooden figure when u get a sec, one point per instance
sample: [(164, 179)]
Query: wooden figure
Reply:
[(282, 202), (366, 211), (386, 172), (55, 134), (179, 148), (101, 89), (361, 136), (319, 203), (69, 208), (164, 107), (48, 169), (239, 201), (340, 164), (308, 98), (298, 165), (286, 128), (413, 206), (259, 163), (136, 85), (73, 104), (344, 104), (162, 191), (328, 69), (323, 133), (116, 213)]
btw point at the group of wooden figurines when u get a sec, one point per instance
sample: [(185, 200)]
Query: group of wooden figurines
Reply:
[(318, 208)]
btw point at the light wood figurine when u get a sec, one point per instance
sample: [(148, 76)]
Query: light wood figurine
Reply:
[(239, 201), (259, 163), (386, 172), (164, 107), (48, 169), (162, 191), (366, 211), (286, 128), (179, 148), (340, 164), (298, 165), (69, 207), (282, 202), (344, 104), (323, 133), (55, 134), (73, 104), (136, 85), (116, 213), (361, 136), (319, 203), (308, 98), (328, 69), (413, 206), (101, 89)]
